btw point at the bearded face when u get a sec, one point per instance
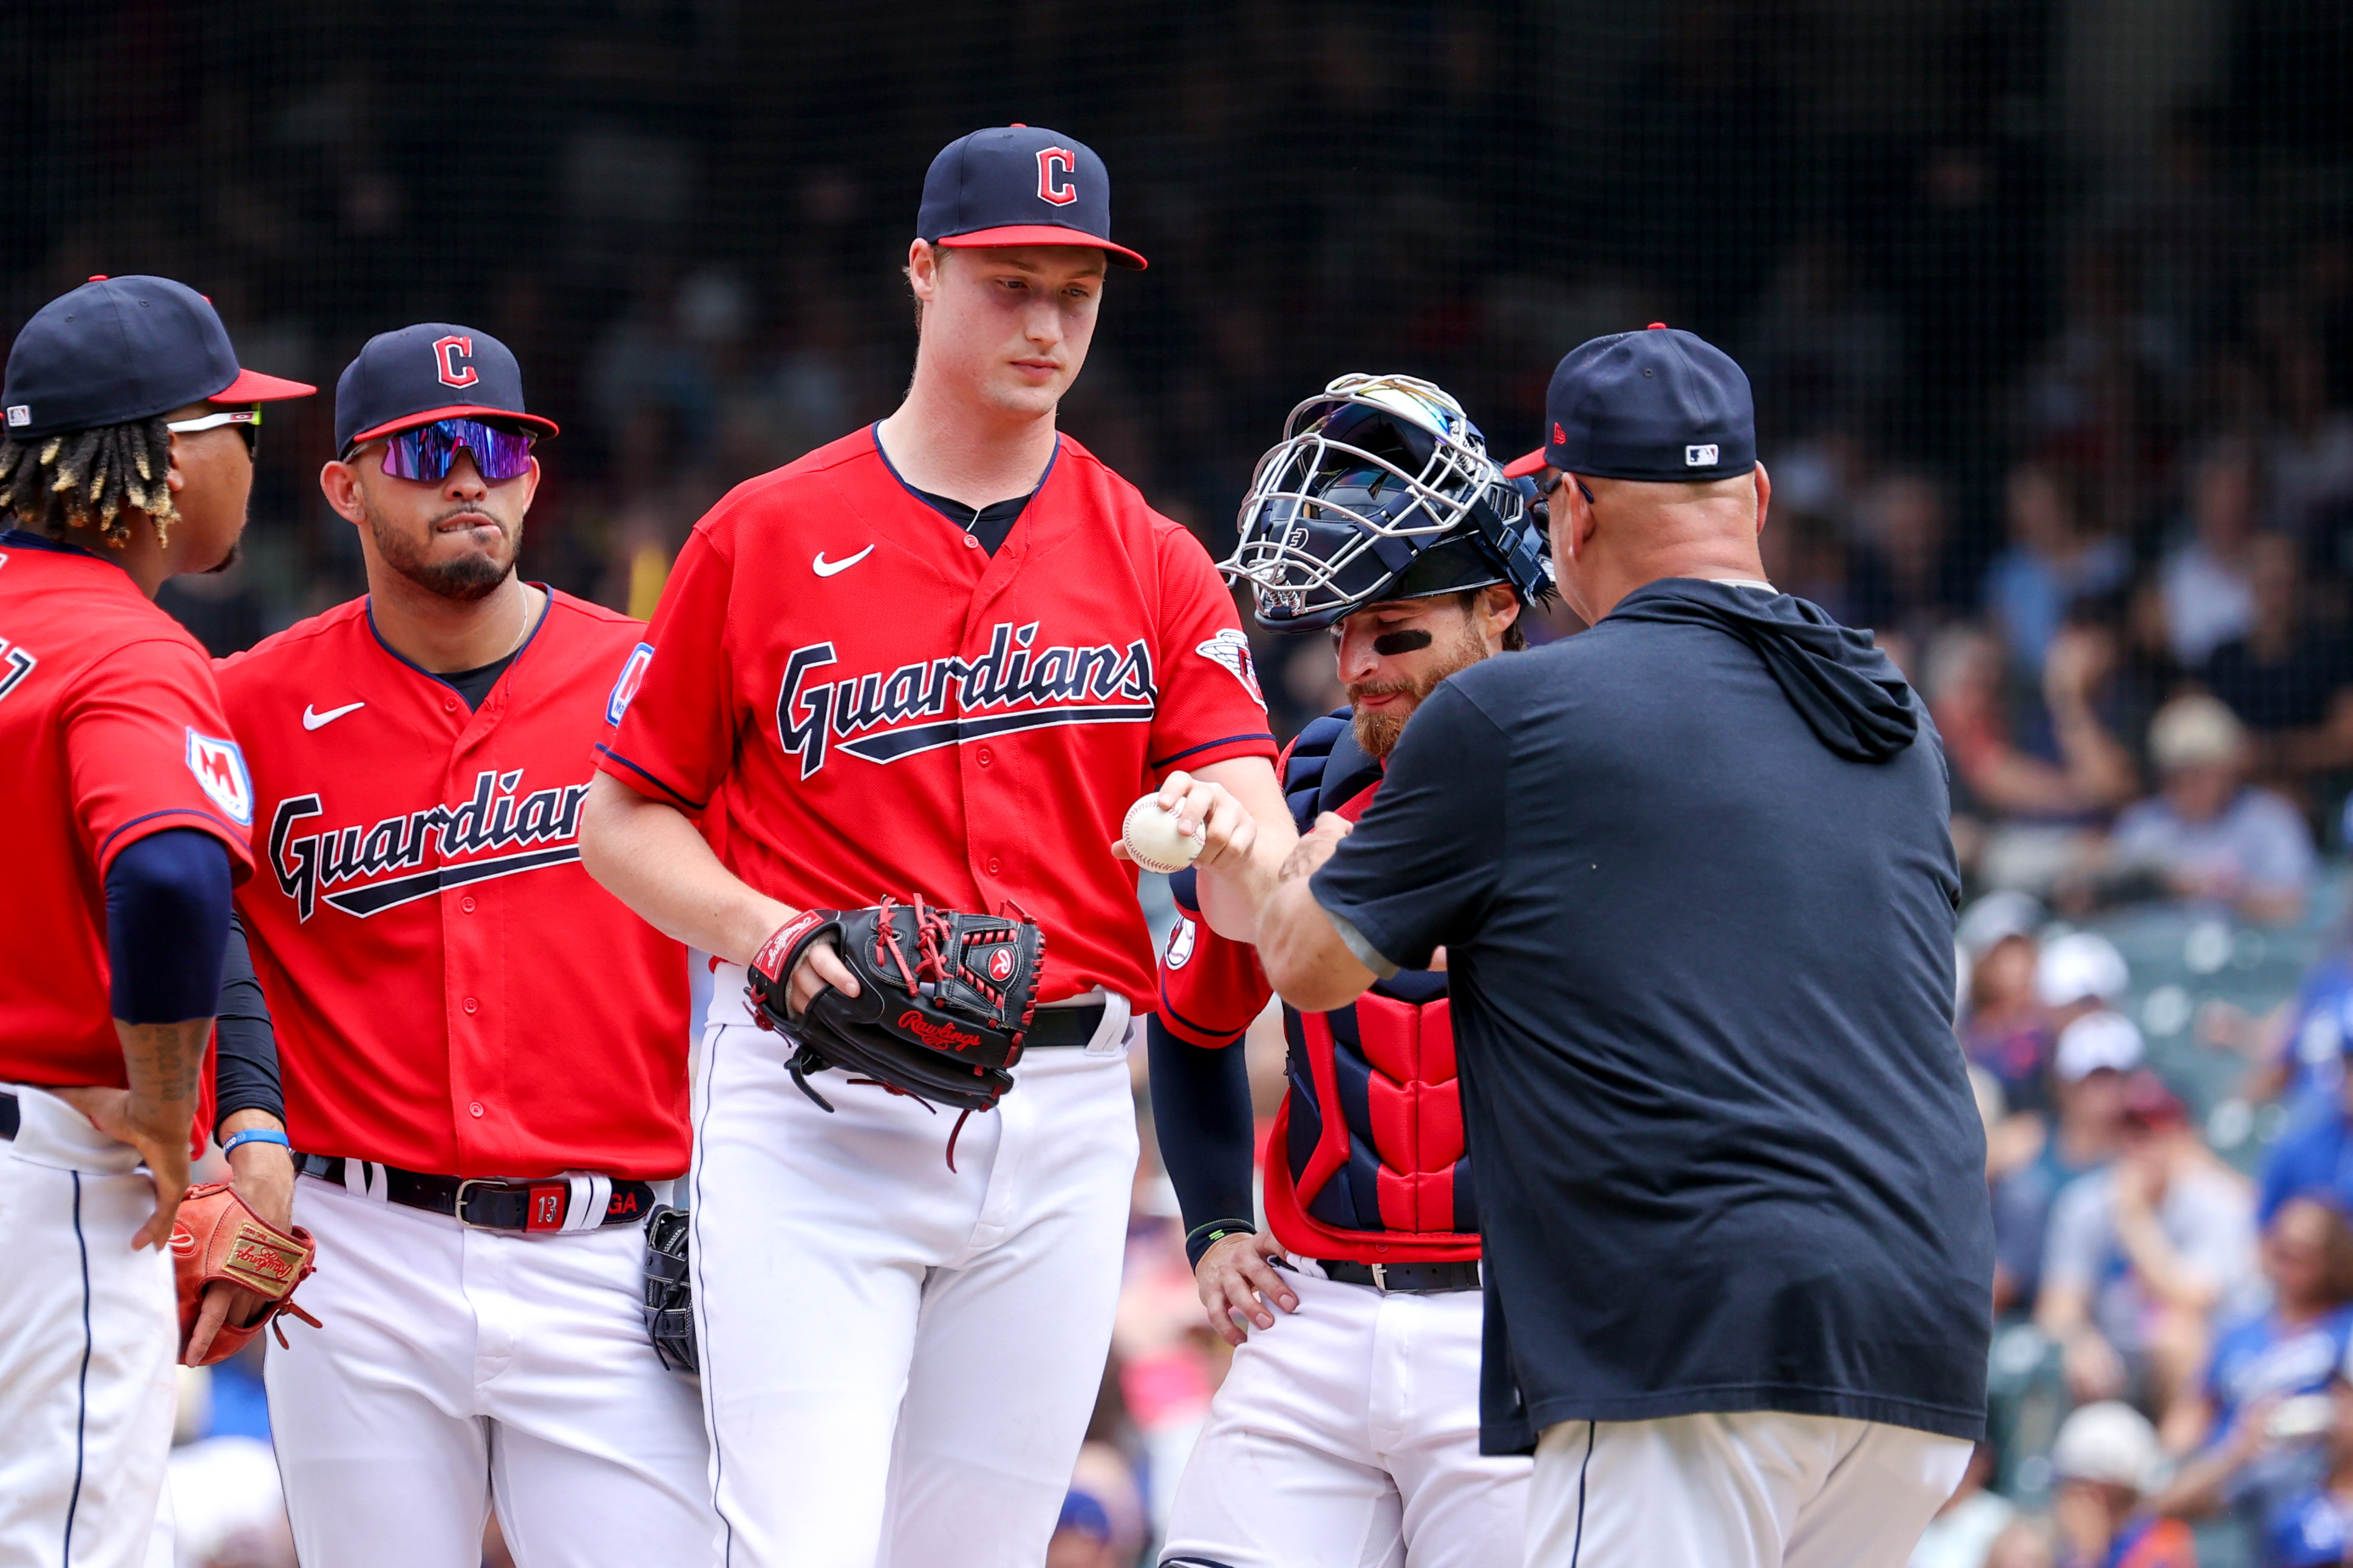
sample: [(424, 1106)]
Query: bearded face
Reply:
[(1393, 655)]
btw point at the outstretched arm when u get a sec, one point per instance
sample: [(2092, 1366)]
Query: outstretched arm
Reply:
[(1306, 951)]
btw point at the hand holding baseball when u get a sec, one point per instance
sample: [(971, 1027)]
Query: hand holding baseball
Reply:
[(1188, 821)]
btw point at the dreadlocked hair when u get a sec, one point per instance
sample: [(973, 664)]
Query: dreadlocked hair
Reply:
[(90, 478)]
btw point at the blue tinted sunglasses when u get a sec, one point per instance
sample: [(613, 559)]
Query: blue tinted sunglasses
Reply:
[(423, 452)]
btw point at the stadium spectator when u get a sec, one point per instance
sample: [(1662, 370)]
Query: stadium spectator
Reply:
[(2005, 1028), (2105, 1459), (2314, 1528), (2054, 560), (1904, 519), (2142, 1254), (2287, 676), (2208, 835), (2245, 1456), (2207, 576), (2315, 1156), (2032, 804), (2089, 1065)]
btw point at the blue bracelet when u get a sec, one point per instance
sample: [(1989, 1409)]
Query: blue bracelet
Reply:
[(256, 1135)]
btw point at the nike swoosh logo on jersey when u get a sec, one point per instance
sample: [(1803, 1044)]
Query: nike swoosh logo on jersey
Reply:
[(827, 568), (312, 720)]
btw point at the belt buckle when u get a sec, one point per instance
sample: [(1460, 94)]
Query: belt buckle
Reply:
[(1380, 1277), (470, 1181)]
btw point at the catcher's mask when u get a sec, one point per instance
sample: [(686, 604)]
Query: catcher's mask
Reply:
[(1381, 488)]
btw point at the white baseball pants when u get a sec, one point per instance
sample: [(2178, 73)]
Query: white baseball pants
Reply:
[(459, 1370), (1758, 1489), (898, 1361), (1347, 1436), (89, 1333)]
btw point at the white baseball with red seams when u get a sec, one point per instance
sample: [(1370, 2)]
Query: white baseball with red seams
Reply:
[(1156, 838)]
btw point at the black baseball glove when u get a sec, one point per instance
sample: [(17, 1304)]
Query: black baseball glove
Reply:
[(944, 1000), (668, 1308)]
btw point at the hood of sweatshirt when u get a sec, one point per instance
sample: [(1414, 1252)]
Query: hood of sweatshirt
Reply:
[(1852, 695)]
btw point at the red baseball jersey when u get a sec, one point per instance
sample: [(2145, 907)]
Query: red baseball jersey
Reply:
[(453, 994), (110, 729), (1366, 1159), (858, 699)]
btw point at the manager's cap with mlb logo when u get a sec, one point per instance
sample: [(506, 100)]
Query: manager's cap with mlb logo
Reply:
[(1019, 184), (1661, 405), (120, 349)]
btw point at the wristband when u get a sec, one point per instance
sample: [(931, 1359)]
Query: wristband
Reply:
[(1202, 1238), (256, 1135)]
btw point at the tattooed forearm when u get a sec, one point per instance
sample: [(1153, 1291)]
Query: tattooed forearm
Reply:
[(162, 1060)]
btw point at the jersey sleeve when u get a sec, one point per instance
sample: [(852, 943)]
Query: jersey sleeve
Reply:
[(147, 748), (1211, 986), (672, 720), (1210, 707)]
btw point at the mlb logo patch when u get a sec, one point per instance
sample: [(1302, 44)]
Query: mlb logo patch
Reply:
[(1230, 650), (1700, 456), (19, 414), (219, 770), (633, 674)]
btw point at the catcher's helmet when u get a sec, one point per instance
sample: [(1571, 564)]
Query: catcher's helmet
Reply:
[(1381, 488)]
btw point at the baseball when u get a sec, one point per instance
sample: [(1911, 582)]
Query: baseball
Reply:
[(1155, 841)]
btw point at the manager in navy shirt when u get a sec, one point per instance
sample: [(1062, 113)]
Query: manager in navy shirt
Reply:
[(1696, 896)]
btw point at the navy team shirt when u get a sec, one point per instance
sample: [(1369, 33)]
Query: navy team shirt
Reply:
[(1697, 896)]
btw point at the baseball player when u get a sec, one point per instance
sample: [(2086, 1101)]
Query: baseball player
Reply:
[(1346, 1434), (125, 459), (484, 1053), (934, 660)]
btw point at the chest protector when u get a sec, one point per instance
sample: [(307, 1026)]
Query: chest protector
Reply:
[(1367, 1158)]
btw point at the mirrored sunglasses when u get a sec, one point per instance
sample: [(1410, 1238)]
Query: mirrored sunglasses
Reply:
[(425, 452)]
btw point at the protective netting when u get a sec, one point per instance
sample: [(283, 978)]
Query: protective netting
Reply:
[(2047, 306)]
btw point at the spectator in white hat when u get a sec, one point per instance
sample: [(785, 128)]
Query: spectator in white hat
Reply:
[(2208, 833), (2107, 1458), (2088, 1068)]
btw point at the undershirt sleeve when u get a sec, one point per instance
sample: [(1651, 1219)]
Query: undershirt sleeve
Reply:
[(1201, 1115), (167, 912), (245, 1046)]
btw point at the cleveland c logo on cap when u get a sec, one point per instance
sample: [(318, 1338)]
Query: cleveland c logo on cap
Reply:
[(455, 358), (1058, 169)]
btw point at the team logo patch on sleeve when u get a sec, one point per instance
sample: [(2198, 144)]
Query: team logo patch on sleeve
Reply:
[(1180, 943), (1230, 650), (219, 770), (633, 675)]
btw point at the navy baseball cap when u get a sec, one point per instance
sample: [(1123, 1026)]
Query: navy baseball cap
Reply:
[(1661, 405), (119, 349), (434, 370), (1019, 184)]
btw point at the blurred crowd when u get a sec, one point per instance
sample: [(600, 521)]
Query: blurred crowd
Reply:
[(2075, 439)]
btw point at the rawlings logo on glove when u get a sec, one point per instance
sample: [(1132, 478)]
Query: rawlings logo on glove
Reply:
[(216, 1239), (943, 999)]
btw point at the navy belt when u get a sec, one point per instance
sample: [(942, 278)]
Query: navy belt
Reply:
[(10, 1118), (489, 1204), (1052, 1026), (1404, 1278)]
